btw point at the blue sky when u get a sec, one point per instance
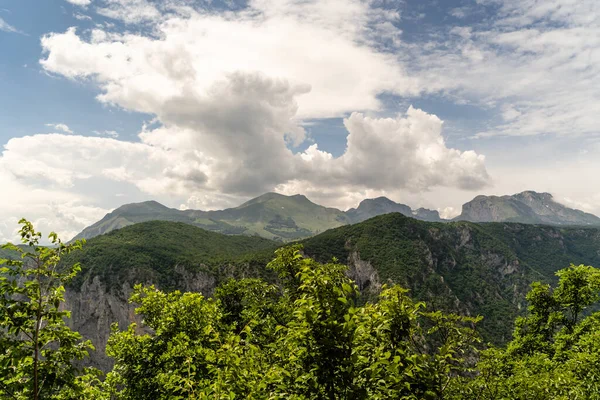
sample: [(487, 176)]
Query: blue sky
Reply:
[(204, 104)]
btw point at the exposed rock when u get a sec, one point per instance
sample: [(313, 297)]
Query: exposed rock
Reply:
[(363, 273), (525, 207), (94, 309)]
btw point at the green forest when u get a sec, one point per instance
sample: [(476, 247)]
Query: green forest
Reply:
[(306, 334)]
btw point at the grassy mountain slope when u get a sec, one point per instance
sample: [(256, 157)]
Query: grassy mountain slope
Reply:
[(272, 216), (130, 214), (470, 268), (277, 216), (151, 251)]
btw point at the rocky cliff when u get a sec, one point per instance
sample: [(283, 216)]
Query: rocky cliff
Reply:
[(526, 207)]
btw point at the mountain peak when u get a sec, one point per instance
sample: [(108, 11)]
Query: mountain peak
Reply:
[(528, 207), (369, 208), (272, 196), (145, 205)]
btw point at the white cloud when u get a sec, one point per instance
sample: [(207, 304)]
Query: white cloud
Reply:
[(6, 27), (130, 11), (404, 152), (60, 127), (82, 17), (110, 133), (50, 209), (536, 64), (81, 3), (321, 45), (230, 93)]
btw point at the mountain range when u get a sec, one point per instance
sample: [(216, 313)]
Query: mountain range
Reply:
[(463, 267), (287, 218)]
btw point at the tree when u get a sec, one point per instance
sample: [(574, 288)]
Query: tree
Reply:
[(555, 351), (37, 348), (302, 339)]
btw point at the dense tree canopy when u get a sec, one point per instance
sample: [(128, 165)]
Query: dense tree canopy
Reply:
[(37, 348), (307, 336)]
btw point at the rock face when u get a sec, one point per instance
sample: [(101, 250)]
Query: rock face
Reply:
[(370, 208), (526, 207), (425, 214), (93, 310)]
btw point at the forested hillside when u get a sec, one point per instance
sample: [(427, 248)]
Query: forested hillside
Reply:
[(308, 336), (475, 269), (155, 251)]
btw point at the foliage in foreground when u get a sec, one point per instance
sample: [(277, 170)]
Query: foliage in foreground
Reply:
[(555, 353), (304, 338), (37, 349)]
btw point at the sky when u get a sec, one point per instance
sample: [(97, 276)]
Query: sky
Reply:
[(204, 104)]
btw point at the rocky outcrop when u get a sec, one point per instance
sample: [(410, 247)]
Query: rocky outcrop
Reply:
[(364, 274), (93, 309), (526, 207), (370, 208)]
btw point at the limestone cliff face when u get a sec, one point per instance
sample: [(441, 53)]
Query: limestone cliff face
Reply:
[(364, 274), (370, 208), (95, 307)]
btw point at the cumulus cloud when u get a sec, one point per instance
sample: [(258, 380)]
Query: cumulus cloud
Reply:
[(229, 93), (296, 41), (403, 152), (60, 127)]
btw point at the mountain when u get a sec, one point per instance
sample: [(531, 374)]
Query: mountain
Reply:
[(463, 267), (272, 216), (526, 207), (370, 208), (130, 214), (286, 218), (472, 269), (171, 255)]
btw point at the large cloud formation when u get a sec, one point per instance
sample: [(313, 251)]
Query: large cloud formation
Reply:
[(229, 92)]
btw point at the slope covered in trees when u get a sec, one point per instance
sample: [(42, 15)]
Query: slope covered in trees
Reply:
[(474, 269), (152, 251), (306, 337)]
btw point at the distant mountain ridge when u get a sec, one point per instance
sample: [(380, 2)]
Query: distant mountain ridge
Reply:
[(285, 218), (370, 208), (272, 215), (525, 207)]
